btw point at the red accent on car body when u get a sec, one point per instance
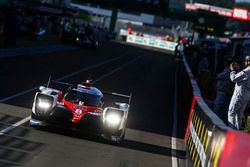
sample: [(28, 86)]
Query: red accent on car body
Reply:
[(60, 96), (79, 111), (86, 84)]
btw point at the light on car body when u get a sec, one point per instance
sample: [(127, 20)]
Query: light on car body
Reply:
[(113, 119), (43, 104)]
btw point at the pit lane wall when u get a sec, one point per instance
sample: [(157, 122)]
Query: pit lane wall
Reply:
[(209, 142)]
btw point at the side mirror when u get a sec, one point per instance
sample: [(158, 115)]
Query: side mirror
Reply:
[(42, 88)]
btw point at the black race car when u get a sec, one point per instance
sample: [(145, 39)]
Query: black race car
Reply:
[(80, 39), (84, 40)]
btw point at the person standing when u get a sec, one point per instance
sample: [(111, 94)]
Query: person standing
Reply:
[(130, 31), (179, 49), (241, 95), (224, 91)]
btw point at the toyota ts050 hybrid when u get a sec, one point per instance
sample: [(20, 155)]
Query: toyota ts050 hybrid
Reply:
[(81, 107)]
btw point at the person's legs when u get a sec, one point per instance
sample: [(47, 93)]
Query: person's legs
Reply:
[(219, 103), (231, 118), (241, 112), (234, 111), (225, 109)]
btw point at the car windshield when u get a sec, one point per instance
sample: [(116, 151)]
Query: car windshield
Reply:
[(87, 99)]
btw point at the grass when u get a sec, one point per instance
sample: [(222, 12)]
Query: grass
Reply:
[(247, 124)]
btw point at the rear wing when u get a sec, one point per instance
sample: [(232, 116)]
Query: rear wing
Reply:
[(63, 86), (119, 95), (61, 83), (50, 81)]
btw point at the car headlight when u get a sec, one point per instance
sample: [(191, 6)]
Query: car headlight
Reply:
[(43, 104), (113, 119), (77, 39)]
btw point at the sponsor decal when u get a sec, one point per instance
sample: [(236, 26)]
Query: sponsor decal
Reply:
[(79, 107), (146, 41), (240, 13)]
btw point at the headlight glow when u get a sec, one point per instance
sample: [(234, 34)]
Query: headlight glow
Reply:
[(43, 104), (77, 39), (113, 119)]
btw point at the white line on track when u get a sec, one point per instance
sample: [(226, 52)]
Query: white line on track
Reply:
[(175, 117), (89, 68), (115, 70), (64, 77), (6, 130), (18, 94)]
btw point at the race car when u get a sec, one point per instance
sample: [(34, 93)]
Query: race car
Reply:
[(81, 107), (80, 40), (83, 40)]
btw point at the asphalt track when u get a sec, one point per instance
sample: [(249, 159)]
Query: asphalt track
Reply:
[(148, 74)]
